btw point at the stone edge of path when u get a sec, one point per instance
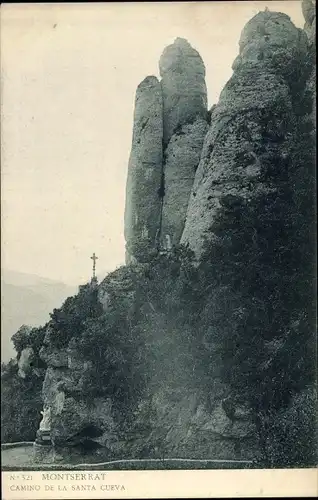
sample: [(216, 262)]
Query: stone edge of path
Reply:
[(6, 446)]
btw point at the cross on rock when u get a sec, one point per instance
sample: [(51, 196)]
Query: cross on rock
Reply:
[(94, 258)]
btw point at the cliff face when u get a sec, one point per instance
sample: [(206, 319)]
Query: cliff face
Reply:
[(169, 358)]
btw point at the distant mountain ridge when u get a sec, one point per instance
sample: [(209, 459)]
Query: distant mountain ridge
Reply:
[(27, 299)]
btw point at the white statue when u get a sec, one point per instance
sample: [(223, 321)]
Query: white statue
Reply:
[(45, 424)]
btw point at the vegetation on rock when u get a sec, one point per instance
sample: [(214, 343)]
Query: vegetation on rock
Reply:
[(21, 404)]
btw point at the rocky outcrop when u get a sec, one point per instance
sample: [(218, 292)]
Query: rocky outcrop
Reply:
[(73, 421), (79, 418), (118, 284), (251, 127), (25, 362), (143, 199)]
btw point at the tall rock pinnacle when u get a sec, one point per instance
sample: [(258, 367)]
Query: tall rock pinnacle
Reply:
[(248, 144), (184, 128), (183, 86), (143, 203), (170, 123)]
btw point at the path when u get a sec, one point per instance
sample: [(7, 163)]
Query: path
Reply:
[(21, 457)]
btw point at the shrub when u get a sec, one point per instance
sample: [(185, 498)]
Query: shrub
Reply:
[(21, 404)]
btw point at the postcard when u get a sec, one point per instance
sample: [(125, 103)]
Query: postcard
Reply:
[(158, 250)]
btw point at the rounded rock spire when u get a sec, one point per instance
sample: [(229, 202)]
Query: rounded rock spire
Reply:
[(183, 85)]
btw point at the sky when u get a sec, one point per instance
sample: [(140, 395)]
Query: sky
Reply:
[(68, 79)]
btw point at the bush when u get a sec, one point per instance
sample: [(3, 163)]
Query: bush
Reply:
[(69, 320), (21, 404)]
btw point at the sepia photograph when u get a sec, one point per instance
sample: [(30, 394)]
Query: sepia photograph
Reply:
[(158, 241)]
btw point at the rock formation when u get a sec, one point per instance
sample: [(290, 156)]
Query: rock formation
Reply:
[(185, 125), (183, 86), (25, 362), (170, 123), (71, 420), (251, 126), (143, 202), (138, 375)]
